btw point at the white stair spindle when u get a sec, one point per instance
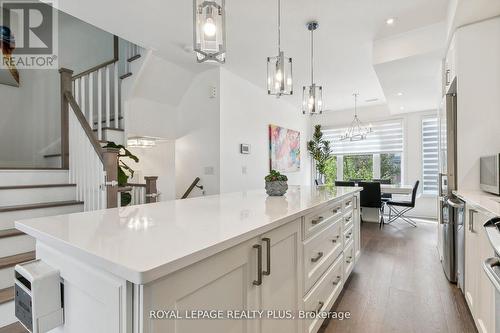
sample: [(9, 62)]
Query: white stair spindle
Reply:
[(91, 100), (115, 94), (108, 96), (77, 91), (99, 104), (83, 107)]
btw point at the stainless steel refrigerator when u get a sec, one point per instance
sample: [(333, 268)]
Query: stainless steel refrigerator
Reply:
[(451, 233)]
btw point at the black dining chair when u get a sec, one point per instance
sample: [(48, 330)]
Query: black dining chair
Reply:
[(370, 197), (399, 209), (343, 183), (385, 196)]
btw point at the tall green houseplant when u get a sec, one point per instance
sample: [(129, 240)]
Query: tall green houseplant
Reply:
[(320, 150)]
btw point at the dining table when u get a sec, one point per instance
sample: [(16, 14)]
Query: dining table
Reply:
[(396, 189)]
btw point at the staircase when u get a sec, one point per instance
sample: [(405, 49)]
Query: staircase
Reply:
[(74, 182), (27, 193)]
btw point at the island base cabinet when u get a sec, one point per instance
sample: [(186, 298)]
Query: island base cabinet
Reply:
[(479, 292), (240, 278)]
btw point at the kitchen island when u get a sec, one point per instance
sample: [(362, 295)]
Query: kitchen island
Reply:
[(126, 269)]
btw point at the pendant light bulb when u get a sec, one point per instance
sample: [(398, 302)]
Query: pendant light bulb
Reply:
[(209, 28)]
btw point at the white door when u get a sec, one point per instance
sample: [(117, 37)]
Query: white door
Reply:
[(222, 282), (280, 284)]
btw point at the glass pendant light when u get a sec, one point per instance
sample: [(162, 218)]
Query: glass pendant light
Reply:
[(209, 31), (312, 96), (279, 68), (357, 131)]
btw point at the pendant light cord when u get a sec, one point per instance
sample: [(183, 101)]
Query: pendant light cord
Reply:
[(312, 57), (279, 27)]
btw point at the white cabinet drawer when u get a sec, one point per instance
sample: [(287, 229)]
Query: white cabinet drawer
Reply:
[(320, 251), (348, 234), (324, 294), (348, 219), (349, 204), (349, 258), (316, 221)]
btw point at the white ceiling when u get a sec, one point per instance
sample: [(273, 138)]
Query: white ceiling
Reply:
[(343, 42)]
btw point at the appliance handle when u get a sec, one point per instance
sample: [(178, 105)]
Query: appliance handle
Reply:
[(440, 183), (442, 203), (488, 265), (457, 205)]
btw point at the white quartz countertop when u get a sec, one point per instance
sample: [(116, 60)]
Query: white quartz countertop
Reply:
[(143, 243), (489, 203)]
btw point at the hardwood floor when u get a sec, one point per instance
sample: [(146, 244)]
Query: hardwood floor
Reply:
[(398, 285)]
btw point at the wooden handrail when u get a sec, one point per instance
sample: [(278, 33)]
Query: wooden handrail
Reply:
[(104, 64), (191, 187), (83, 122), (135, 185)]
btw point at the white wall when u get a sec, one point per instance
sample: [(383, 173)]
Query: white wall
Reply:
[(426, 206), (246, 112), (157, 161), (30, 125), (197, 148), (478, 73)]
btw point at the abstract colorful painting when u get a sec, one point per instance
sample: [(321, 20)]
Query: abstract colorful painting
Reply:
[(284, 147)]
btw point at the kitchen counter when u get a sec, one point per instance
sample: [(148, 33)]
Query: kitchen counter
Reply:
[(488, 203), (143, 243)]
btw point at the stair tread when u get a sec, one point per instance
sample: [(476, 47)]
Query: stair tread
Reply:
[(10, 233), (112, 119), (14, 328), (40, 205), (19, 187), (110, 128), (16, 259), (6, 295), (124, 76), (52, 155)]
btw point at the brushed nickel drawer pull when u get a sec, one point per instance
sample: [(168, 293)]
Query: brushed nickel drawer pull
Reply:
[(347, 219), (349, 259), (335, 210), (320, 306), (348, 236), (336, 239), (268, 256), (318, 220), (258, 282), (337, 281), (318, 257)]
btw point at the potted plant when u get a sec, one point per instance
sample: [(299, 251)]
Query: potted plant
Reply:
[(276, 184), (124, 171), (320, 151)]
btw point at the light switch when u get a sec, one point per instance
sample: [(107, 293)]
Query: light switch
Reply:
[(209, 170)]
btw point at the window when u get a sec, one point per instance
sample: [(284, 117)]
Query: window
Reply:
[(379, 156), (430, 151)]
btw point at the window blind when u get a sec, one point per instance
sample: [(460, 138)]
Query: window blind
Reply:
[(430, 151), (386, 137)]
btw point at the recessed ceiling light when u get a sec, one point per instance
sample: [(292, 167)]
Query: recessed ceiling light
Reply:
[(371, 100), (401, 108), (390, 21), (400, 94)]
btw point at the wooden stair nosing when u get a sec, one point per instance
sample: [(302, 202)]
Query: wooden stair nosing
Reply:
[(10, 233), (110, 128), (6, 295), (112, 119), (16, 327), (11, 261), (133, 58), (52, 155), (124, 76), (40, 205), (22, 187)]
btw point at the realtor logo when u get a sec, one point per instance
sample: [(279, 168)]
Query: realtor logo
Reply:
[(28, 34)]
